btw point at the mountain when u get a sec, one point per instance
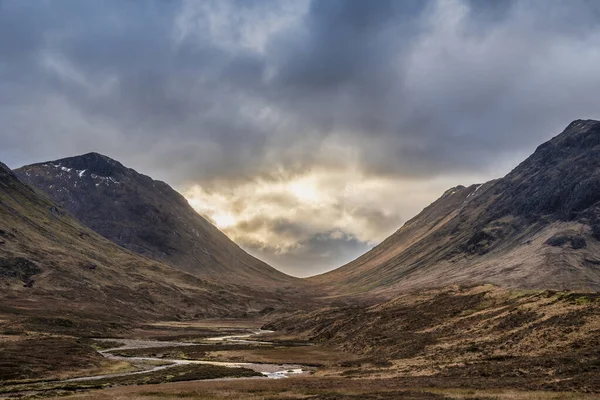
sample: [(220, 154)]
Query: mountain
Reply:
[(147, 217), (538, 227), (55, 273)]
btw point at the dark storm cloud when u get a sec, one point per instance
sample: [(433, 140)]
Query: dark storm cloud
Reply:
[(348, 44), (442, 86), (383, 75), (220, 92)]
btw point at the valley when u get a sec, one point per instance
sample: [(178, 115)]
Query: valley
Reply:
[(114, 287), (456, 343), (299, 200)]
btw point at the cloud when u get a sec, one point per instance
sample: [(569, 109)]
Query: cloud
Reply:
[(306, 222), (235, 102)]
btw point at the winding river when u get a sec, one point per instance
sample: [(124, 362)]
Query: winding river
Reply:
[(272, 371)]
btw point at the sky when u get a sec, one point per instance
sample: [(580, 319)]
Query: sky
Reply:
[(308, 131)]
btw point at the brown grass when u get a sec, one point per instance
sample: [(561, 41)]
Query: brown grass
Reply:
[(306, 355), (315, 388), (487, 336), (46, 357), (464, 343)]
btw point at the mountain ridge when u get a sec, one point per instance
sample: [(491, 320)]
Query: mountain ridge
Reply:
[(148, 217), (535, 228)]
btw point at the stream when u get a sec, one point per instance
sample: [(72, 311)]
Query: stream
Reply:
[(272, 371)]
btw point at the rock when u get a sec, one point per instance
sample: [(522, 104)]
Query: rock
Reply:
[(90, 266), (6, 175), (54, 210), (18, 267), (576, 241)]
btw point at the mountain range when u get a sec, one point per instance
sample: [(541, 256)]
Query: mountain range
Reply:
[(88, 234)]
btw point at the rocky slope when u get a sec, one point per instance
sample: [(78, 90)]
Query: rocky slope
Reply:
[(538, 227), (57, 274), (148, 217)]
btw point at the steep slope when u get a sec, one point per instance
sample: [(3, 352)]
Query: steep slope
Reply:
[(147, 217), (538, 227), (55, 272)]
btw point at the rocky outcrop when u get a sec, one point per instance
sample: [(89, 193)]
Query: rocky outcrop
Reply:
[(6, 175), (575, 241), (19, 268)]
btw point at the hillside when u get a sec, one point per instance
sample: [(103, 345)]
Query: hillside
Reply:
[(477, 337), (57, 274), (538, 227), (147, 217)]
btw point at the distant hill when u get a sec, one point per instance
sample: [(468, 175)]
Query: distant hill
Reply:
[(147, 217), (538, 227)]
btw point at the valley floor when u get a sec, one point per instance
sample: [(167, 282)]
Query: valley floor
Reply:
[(315, 388), (457, 343)]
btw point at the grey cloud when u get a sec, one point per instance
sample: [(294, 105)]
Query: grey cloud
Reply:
[(314, 255), (349, 67), (375, 219), (452, 104), (413, 89), (347, 43), (279, 226)]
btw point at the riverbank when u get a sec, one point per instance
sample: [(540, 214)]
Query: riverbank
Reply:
[(147, 360)]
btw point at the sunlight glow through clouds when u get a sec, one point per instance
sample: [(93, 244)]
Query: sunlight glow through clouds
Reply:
[(306, 191), (282, 215)]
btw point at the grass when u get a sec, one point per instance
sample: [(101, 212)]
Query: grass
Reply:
[(33, 358), (317, 389), (512, 394), (178, 373), (106, 344), (417, 348), (316, 356)]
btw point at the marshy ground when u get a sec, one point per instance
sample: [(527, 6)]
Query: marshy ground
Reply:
[(34, 365), (458, 343)]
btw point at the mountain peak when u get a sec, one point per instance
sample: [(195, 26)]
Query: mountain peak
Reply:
[(581, 123), (95, 163), (578, 135), (145, 216), (561, 178), (6, 174), (537, 227)]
